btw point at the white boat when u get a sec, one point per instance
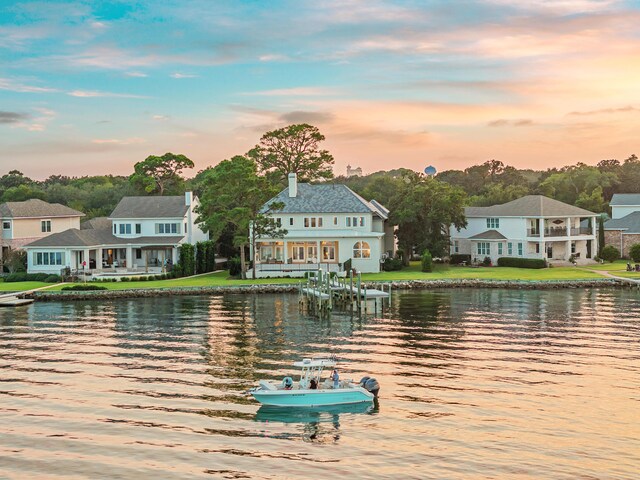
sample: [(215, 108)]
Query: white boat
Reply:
[(311, 390)]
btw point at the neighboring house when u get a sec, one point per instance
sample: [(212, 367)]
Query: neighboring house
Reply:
[(141, 233), (623, 230), (622, 204), (327, 224), (533, 226), (24, 222)]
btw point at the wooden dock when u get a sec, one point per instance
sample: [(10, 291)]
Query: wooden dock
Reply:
[(13, 301), (324, 291)]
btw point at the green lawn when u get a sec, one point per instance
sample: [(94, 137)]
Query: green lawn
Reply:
[(618, 268), (20, 286), (411, 273)]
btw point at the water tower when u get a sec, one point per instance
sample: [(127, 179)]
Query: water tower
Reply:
[(430, 170)]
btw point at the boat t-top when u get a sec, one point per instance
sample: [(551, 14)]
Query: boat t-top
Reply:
[(311, 390)]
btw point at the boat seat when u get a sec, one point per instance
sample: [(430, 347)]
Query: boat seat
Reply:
[(267, 385)]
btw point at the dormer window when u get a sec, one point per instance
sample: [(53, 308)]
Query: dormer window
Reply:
[(6, 225)]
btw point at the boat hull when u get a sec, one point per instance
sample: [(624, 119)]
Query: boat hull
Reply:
[(312, 398)]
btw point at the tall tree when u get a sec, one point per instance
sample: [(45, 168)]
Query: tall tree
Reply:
[(161, 174), (424, 209), (294, 149), (233, 197)]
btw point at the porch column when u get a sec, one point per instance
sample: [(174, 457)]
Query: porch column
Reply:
[(318, 253), (174, 255), (129, 258), (541, 228), (99, 259), (85, 258), (567, 252), (569, 226), (285, 253), (543, 249)]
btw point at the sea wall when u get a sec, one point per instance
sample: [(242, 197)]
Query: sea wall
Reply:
[(44, 296)]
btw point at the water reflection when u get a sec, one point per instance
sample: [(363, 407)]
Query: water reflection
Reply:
[(319, 424)]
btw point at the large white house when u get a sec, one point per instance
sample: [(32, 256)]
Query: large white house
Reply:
[(533, 226), (327, 225), (141, 234)]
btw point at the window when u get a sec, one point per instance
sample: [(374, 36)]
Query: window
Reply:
[(456, 246), (573, 247), (48, 258), (298, 252), (306, 222), (127, 229), (354, 221), (290, 220), (45, 226), (362, 221), (509, 248), (348, 221), (361, 250), (312, 253), (138, 228), (537, 248), (313, 223), (500, 248), (185, 228), (484, 248), (328, 253), (115, 228), (167, 228), (278, 222), (6, 225), (335, 220), (138, 253), (319, 221), (520, 249), (493, 223)]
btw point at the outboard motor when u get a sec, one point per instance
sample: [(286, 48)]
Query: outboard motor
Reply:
[(370, 384)]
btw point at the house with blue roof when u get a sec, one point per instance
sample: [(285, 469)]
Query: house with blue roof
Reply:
[(327, 225)]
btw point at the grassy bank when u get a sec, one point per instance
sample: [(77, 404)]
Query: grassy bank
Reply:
[(441, 272)]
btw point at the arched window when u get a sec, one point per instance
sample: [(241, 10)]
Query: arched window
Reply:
[(361, 250)]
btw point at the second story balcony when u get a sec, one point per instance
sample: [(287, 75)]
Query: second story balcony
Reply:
[(559, 231)]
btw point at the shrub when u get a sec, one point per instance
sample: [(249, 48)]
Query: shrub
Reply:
[(83, 287), (427, 261), (235, 267), (53, 279), (392, 264), (486, 262), (610, 253), (125, 279), (458, 258), (522, 262), (29, 277), (187, 264), (634, 252)]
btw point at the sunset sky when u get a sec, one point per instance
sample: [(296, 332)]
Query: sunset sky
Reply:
[(90, 89)]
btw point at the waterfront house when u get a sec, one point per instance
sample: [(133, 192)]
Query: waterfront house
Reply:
[(533, 226), (327, 225), (623, 229), (142, 234), (25, 222)]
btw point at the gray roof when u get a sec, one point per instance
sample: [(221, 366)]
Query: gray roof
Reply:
[(36, 208), (326, 198), (621, 199), (529, 206), (488, 235), (629, 223), (98, 222), (150, 207), (95, 237)]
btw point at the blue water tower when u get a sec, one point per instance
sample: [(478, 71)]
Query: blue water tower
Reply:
[(430, 170)]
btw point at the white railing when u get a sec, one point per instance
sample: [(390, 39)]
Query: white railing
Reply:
[(297, 267)]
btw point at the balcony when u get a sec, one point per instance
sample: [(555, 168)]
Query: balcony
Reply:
[(548, 232), (582, 231)]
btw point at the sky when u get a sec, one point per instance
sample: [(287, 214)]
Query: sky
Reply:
[(90, 87)]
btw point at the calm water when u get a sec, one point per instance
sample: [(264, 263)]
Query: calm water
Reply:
[(475, 384)]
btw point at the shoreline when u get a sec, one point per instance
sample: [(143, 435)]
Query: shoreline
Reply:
[(53, 296)]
